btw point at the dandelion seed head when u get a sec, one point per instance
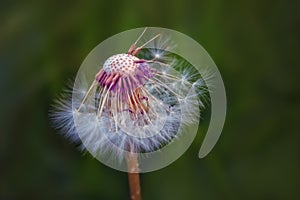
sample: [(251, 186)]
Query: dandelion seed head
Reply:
[(133, 104)]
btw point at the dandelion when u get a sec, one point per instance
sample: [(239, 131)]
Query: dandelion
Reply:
[(136, 103)]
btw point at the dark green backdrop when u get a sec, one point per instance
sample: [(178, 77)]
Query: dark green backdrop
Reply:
[(254, 43)]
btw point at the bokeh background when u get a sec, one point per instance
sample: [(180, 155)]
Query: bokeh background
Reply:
[(254, 43)]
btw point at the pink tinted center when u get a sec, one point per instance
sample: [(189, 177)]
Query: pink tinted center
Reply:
[(123, 64)]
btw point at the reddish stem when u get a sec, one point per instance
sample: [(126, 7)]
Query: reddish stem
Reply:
[(134, 177)]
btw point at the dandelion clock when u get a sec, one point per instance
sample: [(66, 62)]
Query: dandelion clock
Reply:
[(136, 102)]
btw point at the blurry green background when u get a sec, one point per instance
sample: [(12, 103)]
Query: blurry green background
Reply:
[(254, 43)]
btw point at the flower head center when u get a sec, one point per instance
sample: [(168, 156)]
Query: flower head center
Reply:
[(124, 64)]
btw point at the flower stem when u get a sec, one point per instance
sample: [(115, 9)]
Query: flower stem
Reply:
[(134, 177)]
